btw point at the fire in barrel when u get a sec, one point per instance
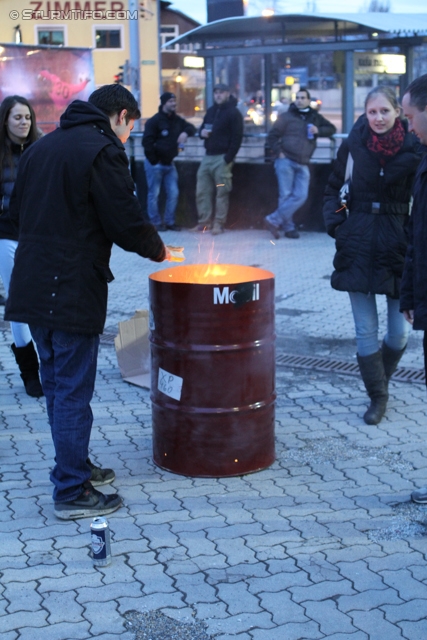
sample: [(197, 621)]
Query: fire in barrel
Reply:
[(213, 369)]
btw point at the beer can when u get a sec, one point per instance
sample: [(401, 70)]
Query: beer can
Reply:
[(100, 538), (310, 134)]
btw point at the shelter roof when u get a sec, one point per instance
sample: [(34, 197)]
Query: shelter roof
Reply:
[(294, 28)]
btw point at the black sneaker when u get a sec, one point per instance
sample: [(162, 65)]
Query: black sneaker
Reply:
[(161, 227), (173, 227), (89, 504), (100, 476), (272, 229), (292, 234)]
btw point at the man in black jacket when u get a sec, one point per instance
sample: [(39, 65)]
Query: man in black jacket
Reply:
[(74, 197), (165, 134), (222, 130), (292, 141), (413, 291)]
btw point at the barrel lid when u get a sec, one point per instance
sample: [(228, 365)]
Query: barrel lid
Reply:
[(211, 274)]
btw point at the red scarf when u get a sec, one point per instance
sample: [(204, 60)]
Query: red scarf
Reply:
[(387, 144)]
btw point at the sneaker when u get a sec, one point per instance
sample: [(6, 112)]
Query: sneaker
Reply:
[(419, 496), (161, 227), (89, 504), (100, 476), (272, 229), (173, 227), (200, 227), (217, 229), (292, 234)]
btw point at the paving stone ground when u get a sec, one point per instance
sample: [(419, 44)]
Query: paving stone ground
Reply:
[(323, 544)]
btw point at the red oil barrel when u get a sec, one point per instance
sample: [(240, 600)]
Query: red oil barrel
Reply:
[(213, 369)]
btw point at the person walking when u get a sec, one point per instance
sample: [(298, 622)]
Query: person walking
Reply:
[(18, 131), (74, 197), (222, 131), (371, 235), (165, 134), (413, 294), (292, 142)]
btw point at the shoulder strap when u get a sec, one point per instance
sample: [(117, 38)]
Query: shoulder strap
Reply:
[(349, 167)]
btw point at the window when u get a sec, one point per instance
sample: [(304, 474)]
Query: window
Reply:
[(108, 38), (51, 35), (167, 33)]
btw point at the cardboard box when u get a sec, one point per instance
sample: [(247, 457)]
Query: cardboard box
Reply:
[(133, 349)]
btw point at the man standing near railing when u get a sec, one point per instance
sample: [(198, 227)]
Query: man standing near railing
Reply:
[(165, 134), (222, 131), (292, 141)]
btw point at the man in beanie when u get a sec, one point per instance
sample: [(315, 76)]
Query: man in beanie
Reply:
[(165, 134), (222, 130)]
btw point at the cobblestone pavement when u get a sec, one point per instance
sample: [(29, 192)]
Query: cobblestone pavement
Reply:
[(323, 544)]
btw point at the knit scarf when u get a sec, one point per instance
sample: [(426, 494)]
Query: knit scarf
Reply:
[(387, 144)]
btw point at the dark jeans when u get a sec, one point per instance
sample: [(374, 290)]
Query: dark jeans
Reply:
[(425, 355), (68, 370)]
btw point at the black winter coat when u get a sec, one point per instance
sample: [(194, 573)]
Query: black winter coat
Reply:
[(413, 295), (289, 134), (227, 130), (7, 181), (161, 132), (73, 197), (371, 241)]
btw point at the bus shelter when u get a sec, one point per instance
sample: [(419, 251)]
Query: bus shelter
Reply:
[(370, 39)]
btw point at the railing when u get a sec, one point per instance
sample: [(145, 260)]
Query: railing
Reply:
[(252, 149)]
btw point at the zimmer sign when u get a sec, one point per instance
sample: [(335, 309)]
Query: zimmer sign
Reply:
[(368, 63)]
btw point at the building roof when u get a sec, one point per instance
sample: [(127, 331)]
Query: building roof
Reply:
[(294, 27)]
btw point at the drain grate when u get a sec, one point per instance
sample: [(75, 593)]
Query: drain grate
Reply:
[(403, 374), (107, 338)]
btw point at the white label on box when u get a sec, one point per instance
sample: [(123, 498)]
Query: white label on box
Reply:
[(169, 384)]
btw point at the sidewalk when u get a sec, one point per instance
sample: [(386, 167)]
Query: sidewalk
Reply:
[(323, 544)]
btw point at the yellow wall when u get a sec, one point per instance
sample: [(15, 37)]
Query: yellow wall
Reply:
[(79, 32)]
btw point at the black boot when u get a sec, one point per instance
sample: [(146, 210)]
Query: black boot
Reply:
[(373, 375), (391, 359), (28, 363)]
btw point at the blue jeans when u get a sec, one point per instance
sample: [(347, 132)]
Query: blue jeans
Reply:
[(293, 179), (68, 370), (365, 315), (158, 175), (20, 331)]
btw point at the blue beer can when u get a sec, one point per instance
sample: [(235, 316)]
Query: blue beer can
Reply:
[(310, 134), (100, 539)]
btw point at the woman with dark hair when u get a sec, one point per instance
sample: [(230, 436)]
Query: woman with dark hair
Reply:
[(371, 234), (18, 130)]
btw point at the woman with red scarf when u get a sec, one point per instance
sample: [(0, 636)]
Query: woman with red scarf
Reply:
[(370, 234)]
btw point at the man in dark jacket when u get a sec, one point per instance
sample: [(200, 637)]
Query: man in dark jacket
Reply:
[(222, 130), (165, 134), (413, 292), (73, 198), (292, 142)]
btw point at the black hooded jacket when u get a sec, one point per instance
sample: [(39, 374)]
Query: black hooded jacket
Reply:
[(73, 198), (371, 242), (7, 181), (227, 130), (161, 132), (413, 295)]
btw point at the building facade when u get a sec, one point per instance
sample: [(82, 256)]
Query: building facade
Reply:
[(102, 25)]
